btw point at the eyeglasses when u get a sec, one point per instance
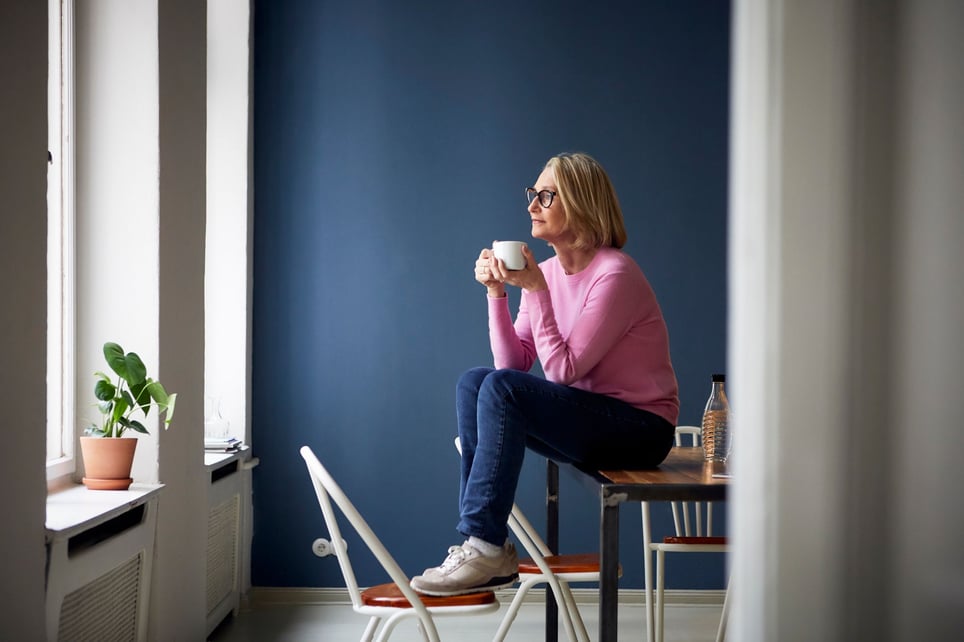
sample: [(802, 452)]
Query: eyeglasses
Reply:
[(545, 196)]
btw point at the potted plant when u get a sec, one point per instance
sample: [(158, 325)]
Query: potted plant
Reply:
[(108, 455)]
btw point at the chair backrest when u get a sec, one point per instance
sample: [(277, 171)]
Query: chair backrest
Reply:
[(693, 518), (327, 489)]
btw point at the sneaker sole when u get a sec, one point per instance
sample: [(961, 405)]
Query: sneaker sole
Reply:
[(494, 584)]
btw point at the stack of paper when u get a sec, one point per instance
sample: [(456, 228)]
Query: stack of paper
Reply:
[(223, 444)]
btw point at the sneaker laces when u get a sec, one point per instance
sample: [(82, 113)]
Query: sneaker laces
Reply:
[(455, 558)]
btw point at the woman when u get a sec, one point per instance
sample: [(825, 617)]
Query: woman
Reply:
[(609, 397)]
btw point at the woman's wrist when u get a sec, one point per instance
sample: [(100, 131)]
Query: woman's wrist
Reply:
[(496, 293), (538, 284)]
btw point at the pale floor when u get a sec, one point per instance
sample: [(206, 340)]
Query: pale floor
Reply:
[(337, 623)]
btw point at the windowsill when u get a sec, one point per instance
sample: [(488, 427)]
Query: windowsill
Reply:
[(59, 473), (75, 509)]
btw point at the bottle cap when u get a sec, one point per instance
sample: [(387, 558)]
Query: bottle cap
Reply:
[(719, 378)]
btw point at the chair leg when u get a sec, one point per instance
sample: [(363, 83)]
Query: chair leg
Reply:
[(513, 610), (575, 617), (425, 627), (560, 594), (660, 583), (421, 630), (721, 632), (429, 633), (647, 571), (369, 633)]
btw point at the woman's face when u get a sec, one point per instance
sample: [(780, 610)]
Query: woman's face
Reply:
[(548, 223)]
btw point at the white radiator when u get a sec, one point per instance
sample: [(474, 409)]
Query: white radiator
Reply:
[(100, 546), (224, 537), (222, 553)]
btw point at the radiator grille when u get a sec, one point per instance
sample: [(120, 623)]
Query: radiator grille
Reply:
[(222, 550), (105, 610)]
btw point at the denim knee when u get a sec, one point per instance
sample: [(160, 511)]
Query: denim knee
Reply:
[(502, 382), (471, 380)]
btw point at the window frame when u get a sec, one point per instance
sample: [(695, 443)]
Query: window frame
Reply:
[(61, 272)]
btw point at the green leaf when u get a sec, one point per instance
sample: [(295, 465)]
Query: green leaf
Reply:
[(137, 426), (128, 400), (136, 370), (141, 396), (104, 390), (157, 392), (114, 354), (135, 390), (120, 407), (128, 367), (171, 398), (93, 430), (165, 402)]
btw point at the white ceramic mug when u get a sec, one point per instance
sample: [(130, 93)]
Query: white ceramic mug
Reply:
[(510, 252)]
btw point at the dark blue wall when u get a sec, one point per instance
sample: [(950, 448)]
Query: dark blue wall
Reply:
[(393, 141)]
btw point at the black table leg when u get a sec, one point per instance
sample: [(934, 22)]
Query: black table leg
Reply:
[(552, 541), (609, 567)]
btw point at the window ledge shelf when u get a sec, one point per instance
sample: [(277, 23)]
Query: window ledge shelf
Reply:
[(215, 458), (75, 509)]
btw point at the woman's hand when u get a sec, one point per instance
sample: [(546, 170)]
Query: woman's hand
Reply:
[(486, 275), (528, 278), (492, 273)]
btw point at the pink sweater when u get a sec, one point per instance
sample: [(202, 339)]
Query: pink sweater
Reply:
[(599, 330)]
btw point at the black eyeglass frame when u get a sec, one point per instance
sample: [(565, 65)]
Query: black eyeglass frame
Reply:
[(531, 193)]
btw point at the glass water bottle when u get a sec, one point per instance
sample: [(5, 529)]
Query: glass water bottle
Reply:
[(716, 423)]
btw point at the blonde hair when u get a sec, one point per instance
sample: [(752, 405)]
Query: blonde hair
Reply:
[(589, 199)]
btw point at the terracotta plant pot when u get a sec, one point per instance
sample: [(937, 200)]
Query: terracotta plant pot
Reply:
[(108, 462)]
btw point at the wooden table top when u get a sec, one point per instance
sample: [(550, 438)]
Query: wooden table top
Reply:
[(683, 475)]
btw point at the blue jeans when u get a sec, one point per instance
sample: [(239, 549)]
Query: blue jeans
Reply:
[(501, 412)]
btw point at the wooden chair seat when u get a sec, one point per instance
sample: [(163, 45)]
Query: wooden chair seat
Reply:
[(578, 563), (390, 595)]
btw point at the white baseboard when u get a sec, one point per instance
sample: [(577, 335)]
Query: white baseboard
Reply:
[(260, 596)]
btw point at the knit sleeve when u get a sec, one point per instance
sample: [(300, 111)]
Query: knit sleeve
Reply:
[(512, 345), (606, 316)]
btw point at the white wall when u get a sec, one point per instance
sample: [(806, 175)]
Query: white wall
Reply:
[(229, 208), (117, 199), (847, 308), (927, 580), (23, 242), (179, 607), (141, 114)]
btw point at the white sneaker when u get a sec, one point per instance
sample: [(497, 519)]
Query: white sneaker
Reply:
[(466, 570)]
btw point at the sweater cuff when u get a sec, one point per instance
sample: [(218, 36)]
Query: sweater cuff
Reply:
[(497, 301)]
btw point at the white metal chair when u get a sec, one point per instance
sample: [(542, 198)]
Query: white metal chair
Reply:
[(542, 567), (690, 537), (394, 601)]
